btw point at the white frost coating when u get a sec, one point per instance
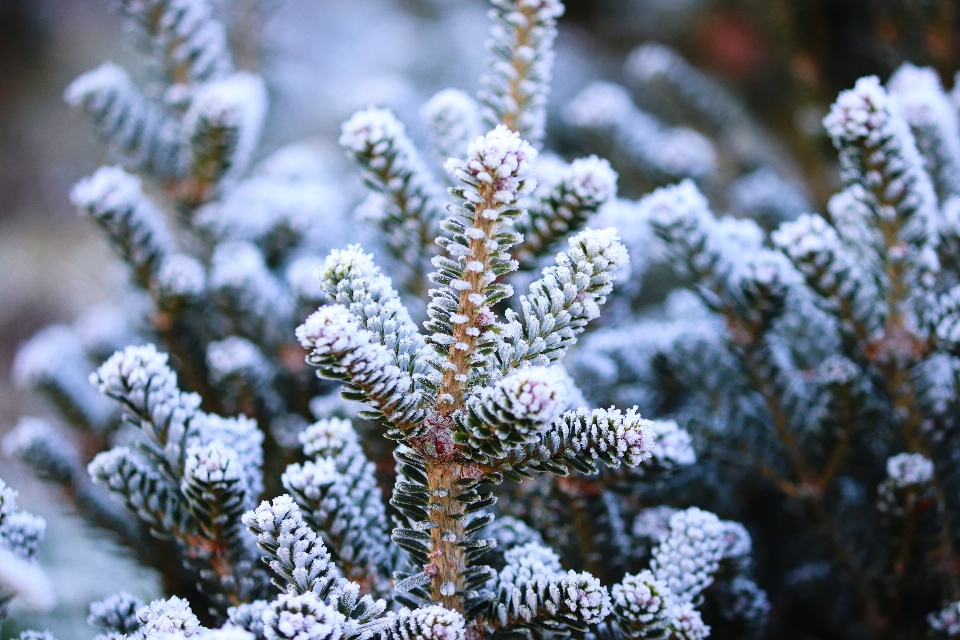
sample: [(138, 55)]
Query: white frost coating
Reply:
[(866, 117), (500, 159), (341, 347), (25, 580), (591, 180), (453, 119), (53, 360), (532, 394), (239, 270), (107, 77), (664, 151), (529, 562), (116, 200), (300, 553), (211, 463), (673, 446), (521, 65), (302, 617), (334, 327), (301, 278), (599, 104), (909, 469), (328, 437), (237, 102), (138, 128), (947, 620), (236, 356), (689, 555), (687, 624), (644, 605), (168, 616), (653, 523), (432, 622), (607, 434), (764, 194), (650, 60), (371, 128), (181, 275), (934, 120)]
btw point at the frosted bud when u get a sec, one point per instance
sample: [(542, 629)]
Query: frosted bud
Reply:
[(328, 437), (500, 159), (180, 275), (909, 469), (592, 180), (426, 623), (302, 617), (534, 394), (600, 104), (168, 616)]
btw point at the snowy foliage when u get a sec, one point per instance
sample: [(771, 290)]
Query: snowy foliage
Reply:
[(258, 487)]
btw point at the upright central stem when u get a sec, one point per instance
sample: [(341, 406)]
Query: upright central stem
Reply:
[(447, 561), (468, 324)]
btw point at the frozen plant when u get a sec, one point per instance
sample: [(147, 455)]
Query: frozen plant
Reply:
[(820, 362), (257, 489), (20, 535)]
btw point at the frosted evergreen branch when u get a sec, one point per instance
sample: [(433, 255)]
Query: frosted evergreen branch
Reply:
[(681, 218), (605, 114), (410, 208), (293, 550), (145, 135), (188, 43), (579, 440), (934, 121), (132, 480), (510, 413), (249, 616), (257, 303), (350, 278), (302, 616), (170, 616), (20, 532), (342, 349), (878, 152), (238, 366), (192, 474), (299, 559), (644, 607), (339, 496), (846, 287), (533, 592), (139, 378), (53, 363), (494, 176), (134, 225), (52, 459), (425, 623), (563, 301), (453, 119), (582, 188), (690, 553), (116, 614), (222, 128), (521, 65)]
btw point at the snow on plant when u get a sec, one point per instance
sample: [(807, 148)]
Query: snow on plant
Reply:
[(820, 361), (238, 474)]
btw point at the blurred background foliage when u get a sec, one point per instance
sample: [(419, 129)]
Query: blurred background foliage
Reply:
[(784, 60)]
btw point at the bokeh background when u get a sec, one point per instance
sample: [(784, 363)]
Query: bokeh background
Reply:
[(784, 60)]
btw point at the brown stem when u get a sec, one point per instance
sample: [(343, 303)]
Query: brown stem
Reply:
[(447, 560)]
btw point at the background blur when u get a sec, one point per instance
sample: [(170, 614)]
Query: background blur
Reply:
[(785, 60)]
